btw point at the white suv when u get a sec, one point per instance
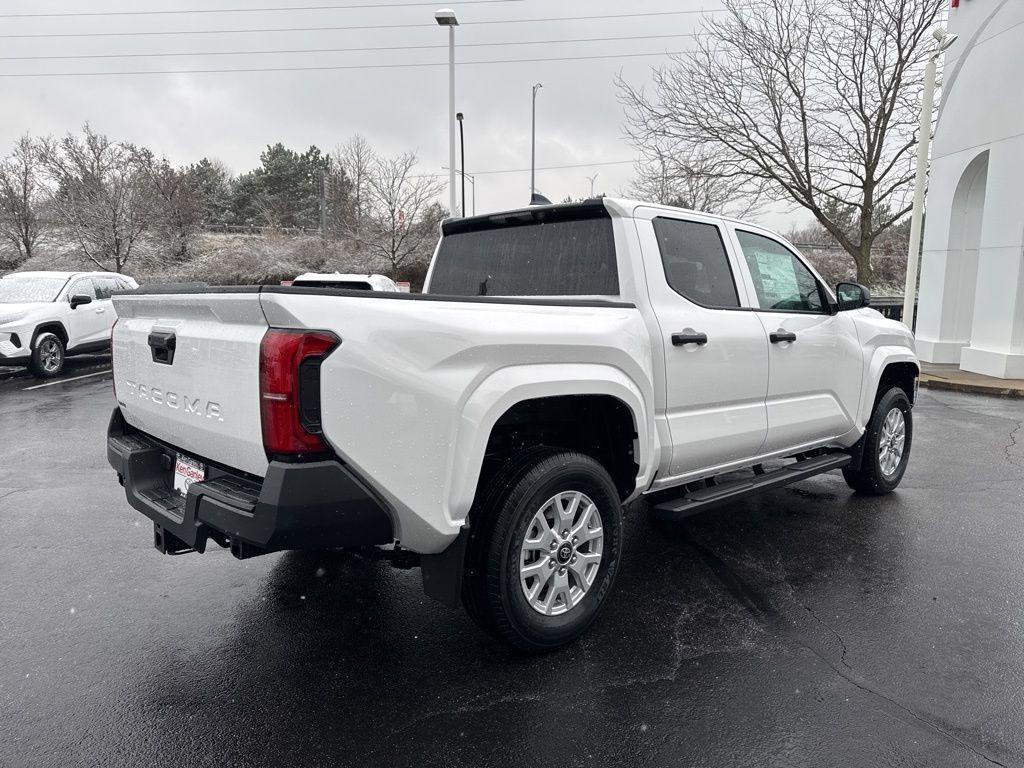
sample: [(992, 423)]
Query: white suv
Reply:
[(46, 316)]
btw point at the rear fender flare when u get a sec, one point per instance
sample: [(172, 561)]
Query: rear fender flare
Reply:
[(503, 389)]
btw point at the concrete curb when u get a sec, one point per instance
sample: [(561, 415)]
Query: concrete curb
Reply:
[(994, 390)]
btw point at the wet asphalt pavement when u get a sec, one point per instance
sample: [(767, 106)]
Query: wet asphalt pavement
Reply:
[(808, 627)]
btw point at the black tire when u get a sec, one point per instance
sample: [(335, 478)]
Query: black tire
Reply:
[(493, 593), (871, 478), (48, 355)]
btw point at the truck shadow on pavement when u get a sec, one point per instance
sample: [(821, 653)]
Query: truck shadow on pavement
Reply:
[(723, 610)]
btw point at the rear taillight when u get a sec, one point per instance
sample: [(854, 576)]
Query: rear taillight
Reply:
[(290, 390)]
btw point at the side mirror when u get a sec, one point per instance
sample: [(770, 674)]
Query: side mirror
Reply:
[(79, 299), (852, 296)]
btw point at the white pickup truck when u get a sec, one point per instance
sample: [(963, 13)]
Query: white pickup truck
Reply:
[(563, 361)]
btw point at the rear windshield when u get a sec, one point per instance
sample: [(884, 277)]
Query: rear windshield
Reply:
[(351, 285), (548, 252)]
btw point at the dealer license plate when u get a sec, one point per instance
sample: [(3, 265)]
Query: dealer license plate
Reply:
[(186, 472)]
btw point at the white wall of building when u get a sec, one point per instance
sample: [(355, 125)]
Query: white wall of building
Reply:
[(972, 272)]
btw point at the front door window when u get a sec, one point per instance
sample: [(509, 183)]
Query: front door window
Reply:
[(781, 281)]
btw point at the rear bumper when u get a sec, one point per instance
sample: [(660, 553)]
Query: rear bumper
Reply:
[(313, 505)]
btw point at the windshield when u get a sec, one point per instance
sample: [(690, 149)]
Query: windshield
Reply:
[(23, 290), (550, 252), (351, 285)]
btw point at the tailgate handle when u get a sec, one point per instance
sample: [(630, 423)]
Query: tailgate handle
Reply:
[(163, 344)]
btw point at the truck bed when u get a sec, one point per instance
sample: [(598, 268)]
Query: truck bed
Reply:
[(395, 394)]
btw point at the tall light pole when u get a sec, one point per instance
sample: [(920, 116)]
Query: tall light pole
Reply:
[(924, 141), (446, 18), (533, 142), (462, 161), (592, 179)]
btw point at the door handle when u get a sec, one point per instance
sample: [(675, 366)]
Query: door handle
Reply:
[(679, 339), (780, 335)]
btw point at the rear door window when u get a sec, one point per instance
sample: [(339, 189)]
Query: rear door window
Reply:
[(549, 252), (696, 264), (105, 286)]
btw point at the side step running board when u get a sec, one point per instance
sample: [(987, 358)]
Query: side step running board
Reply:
[(693, 502)]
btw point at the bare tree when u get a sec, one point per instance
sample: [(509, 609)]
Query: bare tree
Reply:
[(178, 205), (671, 176), (357, 161), (397, 201), (818, 99), (22, 197), (103, 195)]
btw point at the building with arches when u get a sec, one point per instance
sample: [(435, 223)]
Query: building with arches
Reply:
[(971, 301)]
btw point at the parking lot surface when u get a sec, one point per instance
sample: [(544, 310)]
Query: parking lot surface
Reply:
[(807, 627), (77, 367)]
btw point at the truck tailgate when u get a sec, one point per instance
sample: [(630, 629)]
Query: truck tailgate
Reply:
[(202, 396)]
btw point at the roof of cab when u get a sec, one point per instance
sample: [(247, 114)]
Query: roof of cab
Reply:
[(614, 206)]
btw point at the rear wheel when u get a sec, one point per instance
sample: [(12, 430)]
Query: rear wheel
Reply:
[(886, 446), (544, 549), (47, 355)]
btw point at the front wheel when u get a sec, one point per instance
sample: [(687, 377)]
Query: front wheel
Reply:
[(544, 549), (47, 355), (886, 446)]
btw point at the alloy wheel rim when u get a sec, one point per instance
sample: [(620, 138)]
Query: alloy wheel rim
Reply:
[(50, 355), (891, 442), (561, 553)]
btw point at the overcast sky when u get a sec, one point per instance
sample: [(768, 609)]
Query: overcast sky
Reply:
[(234, 116)]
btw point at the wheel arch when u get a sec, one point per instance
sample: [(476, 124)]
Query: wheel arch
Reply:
[(898, 374), (594, 409), (56, 327), (889, 366)]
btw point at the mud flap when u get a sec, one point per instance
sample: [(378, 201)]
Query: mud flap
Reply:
[(442, 573)]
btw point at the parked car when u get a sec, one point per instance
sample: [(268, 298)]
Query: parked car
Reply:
[(563, 361), (45, 317), (353, 282)]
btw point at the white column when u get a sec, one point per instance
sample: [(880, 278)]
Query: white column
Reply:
[(997, 328), (924, 141)]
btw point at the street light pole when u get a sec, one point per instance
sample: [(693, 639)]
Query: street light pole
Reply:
[(462, 161), (533, 142), (924, 142), (446, 18)]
